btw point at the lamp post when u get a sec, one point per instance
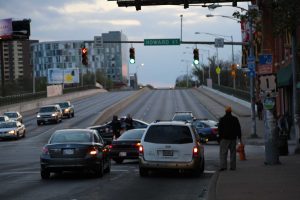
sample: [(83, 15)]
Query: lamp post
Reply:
[(181, 16)]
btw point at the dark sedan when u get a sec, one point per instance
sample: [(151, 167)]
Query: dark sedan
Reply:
[(75, 150), (207, 129), (106, 132), (126, 146)]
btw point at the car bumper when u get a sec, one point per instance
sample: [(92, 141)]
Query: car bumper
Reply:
[(69, 164), (124, 154), (43, 120), (195, 163)]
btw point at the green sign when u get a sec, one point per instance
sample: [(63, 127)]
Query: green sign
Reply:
[(161, 42)]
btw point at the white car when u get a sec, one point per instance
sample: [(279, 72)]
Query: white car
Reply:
[(4, 118), (171, 145), (14, 115), (12, 129)]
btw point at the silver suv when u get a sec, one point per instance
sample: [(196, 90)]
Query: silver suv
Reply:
[(171, 145), (49, 113)]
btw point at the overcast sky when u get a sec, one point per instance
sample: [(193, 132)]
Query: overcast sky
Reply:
[(55, 20)]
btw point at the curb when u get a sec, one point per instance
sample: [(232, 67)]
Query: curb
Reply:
[(212, 187)]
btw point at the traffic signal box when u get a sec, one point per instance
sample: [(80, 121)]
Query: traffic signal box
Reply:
[(132, 55), (196, 56), (84, 56)]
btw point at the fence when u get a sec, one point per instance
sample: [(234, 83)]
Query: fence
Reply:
[(8, 100), (241, 94)]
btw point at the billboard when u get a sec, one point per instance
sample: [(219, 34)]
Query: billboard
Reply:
[(6, 28), (59, 76)]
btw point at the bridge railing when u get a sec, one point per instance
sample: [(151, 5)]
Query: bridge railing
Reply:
[(241, 94)]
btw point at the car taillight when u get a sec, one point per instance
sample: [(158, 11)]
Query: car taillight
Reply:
[(110, 146), (93, 151), (195, 151), (137, 145), (141, 150), (214, 130), (45, 150)]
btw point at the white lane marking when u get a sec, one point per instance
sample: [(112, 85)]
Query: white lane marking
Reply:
[(11, 173)]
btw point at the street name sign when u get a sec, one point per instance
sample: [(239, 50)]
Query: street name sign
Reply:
[(161, 42), (219, 42)]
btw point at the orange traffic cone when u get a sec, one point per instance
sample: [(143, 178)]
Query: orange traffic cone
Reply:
[(241, 150)]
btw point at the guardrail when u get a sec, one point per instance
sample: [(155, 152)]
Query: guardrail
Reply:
[(19, 98), (241, 94)]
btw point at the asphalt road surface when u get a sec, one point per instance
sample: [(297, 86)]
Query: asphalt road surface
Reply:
[(19, 160)]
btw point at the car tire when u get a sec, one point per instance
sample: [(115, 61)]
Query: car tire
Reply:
[(38, 123), (73, 114), (99, 171), (143, 172), (45, 174), (17, 136), (24, 133), (118, 160)]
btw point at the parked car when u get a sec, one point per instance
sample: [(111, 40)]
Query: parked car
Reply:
[(126, 146), (49, 113), (207, 129), (171, 145), (106, 132), (183, 116), (12, 129), (14, 115), (75, 150), (67, 109)]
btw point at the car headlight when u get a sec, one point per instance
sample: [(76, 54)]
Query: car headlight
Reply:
[(38, 116), (67, 110), (53, 115), (11, 132)]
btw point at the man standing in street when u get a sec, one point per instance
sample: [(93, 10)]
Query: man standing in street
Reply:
[(229, 130)]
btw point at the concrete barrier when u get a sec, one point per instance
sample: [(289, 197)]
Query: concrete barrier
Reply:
[(115, 109), (31, 105)]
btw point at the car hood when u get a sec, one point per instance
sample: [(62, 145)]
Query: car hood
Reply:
[(7, 129)]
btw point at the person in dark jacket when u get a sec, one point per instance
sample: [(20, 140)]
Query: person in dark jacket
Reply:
[(116, 126), (129, 122), (229, 130)]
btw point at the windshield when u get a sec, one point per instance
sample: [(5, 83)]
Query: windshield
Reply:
[(64, 104), (47, 109), (168, 134), (8, 125), (11, 115), (2, 119), (73, 136)]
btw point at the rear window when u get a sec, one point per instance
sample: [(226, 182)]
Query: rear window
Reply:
[(69, 137), (168, 134), (11, 115), (64, 104), (182, 117), (132, 134)]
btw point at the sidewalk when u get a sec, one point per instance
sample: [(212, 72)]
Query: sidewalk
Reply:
[(252, 179)]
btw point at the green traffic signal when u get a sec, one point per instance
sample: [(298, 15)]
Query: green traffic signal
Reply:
[(196, 62), (196, 56), (131, 55), (132, 61)]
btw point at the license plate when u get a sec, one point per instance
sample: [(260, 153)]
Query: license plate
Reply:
[(167, 153), (122, 154), (68, 151)]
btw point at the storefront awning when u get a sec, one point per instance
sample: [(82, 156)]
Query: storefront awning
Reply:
[(284, 76)]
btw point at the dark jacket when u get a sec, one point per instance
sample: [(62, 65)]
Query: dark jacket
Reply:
[(229, 127), (116, 127)]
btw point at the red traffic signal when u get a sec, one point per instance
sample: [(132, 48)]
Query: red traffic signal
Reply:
[(84, 56)]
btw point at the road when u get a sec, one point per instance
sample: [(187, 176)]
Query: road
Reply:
[(19, 163)]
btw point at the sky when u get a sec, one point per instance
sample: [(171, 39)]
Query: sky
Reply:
[(59, 20)]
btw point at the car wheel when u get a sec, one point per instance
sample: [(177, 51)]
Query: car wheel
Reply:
[(118, 160), (99, 171), (45, 174), (73, 114), (107, 169), (24, 133), (143, 172), (38, 123), (17, 136)]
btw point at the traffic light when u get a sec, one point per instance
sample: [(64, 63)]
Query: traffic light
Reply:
[(196, 56), (84, 56), (131, 55)]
